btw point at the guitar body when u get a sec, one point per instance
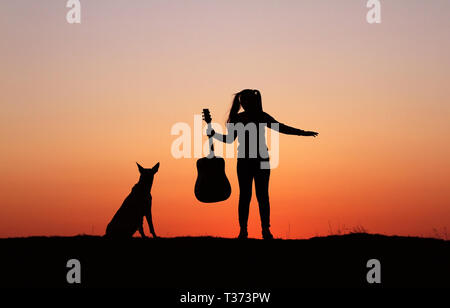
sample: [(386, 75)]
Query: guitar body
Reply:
[(212, 184)]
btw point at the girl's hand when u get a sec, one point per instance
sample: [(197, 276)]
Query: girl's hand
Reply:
[(210, 133), (313, 134)]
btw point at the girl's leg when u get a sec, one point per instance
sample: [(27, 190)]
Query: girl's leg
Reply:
[(262, 194), (245, 178)]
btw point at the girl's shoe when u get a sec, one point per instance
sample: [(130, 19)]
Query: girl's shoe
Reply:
[(266, 234), (243, 234)]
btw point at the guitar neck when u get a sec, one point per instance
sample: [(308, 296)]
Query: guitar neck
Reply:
[(211, 143)]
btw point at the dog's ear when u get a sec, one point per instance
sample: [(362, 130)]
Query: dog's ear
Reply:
[(141, 169), (155, 168)]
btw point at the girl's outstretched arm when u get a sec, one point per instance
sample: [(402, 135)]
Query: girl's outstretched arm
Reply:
[(286, 129)]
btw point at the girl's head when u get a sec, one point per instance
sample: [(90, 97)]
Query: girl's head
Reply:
[(249, 100)]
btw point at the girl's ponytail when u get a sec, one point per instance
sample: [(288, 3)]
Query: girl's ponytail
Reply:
[(258, 101), (235, 106)]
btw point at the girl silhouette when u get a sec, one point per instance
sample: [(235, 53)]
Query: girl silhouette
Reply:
[(249, 163)]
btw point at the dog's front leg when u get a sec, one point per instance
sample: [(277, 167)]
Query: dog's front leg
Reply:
[(150, 223), (141, 231)]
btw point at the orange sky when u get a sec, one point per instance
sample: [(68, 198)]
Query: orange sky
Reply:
[(82, 103)]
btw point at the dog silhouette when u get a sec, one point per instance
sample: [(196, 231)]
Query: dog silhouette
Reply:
[(130, 216)]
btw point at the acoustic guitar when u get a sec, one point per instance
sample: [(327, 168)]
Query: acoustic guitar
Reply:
[(212, 184)]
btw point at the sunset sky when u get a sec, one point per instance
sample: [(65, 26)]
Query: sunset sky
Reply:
[(81, 103)]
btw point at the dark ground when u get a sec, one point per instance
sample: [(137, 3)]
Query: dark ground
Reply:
[(334, 261)]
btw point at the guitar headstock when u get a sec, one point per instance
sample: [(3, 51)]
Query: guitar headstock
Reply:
[(207, 116)]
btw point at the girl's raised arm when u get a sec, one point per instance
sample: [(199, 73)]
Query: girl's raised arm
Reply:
[(229, 138)]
